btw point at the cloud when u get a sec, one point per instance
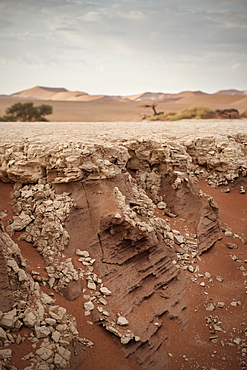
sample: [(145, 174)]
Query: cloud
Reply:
[(91, 16), (169, 36)]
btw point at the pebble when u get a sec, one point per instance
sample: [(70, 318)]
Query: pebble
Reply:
[(122, 321), (91, 285), (237, 341), (82, 253), (105, 291), (228, 233), (219, 278), (89, 306), (221, 304), (231, 246), (210, 307)]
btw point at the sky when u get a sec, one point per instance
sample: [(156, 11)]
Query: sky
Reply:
[(123, 47)]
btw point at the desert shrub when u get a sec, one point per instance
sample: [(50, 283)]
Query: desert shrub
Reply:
[(199, 112), (161, 117), (27, 113), (244, 113)]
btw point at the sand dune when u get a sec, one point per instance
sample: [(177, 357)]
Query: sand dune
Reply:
[(208, 100), (241, 102), (186, 94), (231, 92), (147, 96), (38, 92)]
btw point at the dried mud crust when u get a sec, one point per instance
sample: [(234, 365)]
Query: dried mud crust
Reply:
[(125, 233)]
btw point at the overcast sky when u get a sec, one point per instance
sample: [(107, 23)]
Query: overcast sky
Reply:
[(121, 47)]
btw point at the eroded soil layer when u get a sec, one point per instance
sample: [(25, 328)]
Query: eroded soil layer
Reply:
[(126, 254)]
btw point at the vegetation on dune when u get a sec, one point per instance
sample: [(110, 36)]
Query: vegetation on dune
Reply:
[(27, 113), (199, 112), (162, 116)]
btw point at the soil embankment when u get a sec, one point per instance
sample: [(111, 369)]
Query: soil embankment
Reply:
[(123, 248)]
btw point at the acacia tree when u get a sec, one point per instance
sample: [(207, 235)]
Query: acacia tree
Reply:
[(27, 113)]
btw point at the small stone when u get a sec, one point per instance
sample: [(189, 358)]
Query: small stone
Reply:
[(44, 353), (242, 190), (202, 284), (41, 331), (65, 353), (3, 336), (207, 275), (30, 319), (237, 341), (221, 304), (89, 306), (231, 246), (190, 268), (219, 278), (161, 205), (51, 282), (50, 321), (82, 253), (58, 314), (8, 319), (217, 327), (103, 301), (214, 338), (60, 362), (105, 291), (22, 276), (227, 190), (178, 239), (18, 339), (5, 354), (210, 307), (46, 299), (228, 233), (61, 327), (91, 285), (122, 321)]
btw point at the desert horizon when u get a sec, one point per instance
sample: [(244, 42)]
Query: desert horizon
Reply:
[(78, 106)]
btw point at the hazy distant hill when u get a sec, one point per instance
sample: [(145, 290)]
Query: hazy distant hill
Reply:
[(231, 92), (49, 93), (147, 96), (62, 94)]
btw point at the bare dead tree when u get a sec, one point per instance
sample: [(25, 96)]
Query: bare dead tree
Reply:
[(153, 106)]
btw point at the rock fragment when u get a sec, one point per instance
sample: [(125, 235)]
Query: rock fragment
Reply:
[(122, 321), (231, 246), (105, 291), (89, 306)]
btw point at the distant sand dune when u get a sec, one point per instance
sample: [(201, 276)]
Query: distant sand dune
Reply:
[(208, 100)]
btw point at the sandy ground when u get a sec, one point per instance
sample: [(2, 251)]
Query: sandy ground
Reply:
[(114, 131), (190, 348)]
